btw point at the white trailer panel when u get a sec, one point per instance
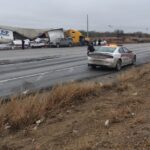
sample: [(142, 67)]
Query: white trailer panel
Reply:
[(6, 35), (56, 34)]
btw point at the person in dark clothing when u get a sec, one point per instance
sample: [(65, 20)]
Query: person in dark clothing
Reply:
[(23, 44), (90, 48), (99, 42)]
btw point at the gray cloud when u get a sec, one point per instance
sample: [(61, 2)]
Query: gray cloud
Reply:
[(129, 15)]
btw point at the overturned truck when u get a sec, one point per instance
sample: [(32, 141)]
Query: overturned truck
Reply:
[(57, 38)]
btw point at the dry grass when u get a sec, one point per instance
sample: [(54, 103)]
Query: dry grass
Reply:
[(134, 74), (120, 114), (141, 119), (23, 111)]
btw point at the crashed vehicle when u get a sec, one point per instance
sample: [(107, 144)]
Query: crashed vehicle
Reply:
[(62, 42), (39, 43), (111, 56), (58, 39)]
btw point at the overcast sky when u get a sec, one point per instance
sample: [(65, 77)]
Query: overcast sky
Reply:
[(129, 15)]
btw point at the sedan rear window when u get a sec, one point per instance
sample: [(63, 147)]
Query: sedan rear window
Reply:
[(105, 49)]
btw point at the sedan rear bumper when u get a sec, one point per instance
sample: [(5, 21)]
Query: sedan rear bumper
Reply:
[(102, 62)]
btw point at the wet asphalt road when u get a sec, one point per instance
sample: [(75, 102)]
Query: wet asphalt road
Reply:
[(21, 71)]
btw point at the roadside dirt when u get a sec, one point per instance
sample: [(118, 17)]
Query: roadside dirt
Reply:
[(117, 117)]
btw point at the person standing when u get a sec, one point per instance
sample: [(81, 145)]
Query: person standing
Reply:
[(90, 48), (23, 44), (99, 42)]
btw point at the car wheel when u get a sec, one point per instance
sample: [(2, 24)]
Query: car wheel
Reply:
[(93, 66), (134, 60), (118, 65), (70, 45)]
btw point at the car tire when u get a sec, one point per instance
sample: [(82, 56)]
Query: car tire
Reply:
[(134, 60), (93, 66), (70, 45), (118, 65)]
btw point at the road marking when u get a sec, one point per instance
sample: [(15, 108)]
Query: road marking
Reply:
[(37, 74), (22, 77)]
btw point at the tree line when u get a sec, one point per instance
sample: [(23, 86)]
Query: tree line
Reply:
[(116, 33)]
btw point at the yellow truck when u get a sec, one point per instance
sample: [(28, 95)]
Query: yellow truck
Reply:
[(77, 37)]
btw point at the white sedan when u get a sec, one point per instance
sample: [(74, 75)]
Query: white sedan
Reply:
[(112, 56)]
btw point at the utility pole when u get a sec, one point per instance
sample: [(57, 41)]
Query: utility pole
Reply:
[(87, 26)]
